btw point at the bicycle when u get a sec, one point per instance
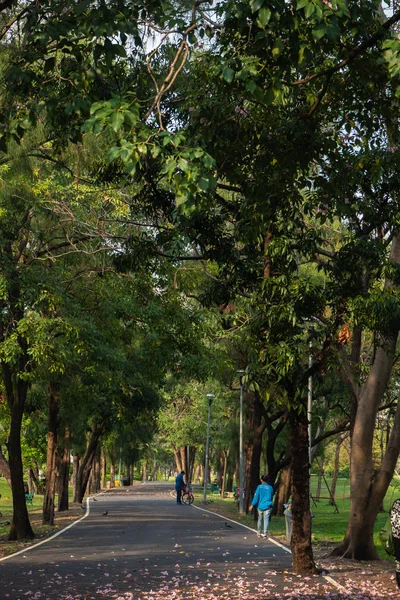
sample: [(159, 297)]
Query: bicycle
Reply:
[(187, 496)]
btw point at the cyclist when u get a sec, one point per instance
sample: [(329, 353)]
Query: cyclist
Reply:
[(179, 486)]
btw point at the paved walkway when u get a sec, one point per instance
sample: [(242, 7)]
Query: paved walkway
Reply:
[(146, 547)]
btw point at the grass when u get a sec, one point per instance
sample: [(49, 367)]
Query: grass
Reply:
[(35, 511), (328, 527)]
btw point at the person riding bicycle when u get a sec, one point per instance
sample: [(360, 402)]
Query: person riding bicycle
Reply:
[(179, 486)]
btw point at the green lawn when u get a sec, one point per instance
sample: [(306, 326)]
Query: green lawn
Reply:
[(328, 527)]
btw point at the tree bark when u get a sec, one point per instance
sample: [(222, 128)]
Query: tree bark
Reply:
[(225, 454), (284, 489), (319, 483), (52, 436), (65, 461), (103, 468), (255, 425), (335, 469), (85, 466), (75, 471), (302, 553), (112, 474), (16, 390), (367, 485)]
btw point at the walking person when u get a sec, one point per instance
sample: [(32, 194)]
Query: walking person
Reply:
[(262, 501), (179, 486), (395, 522)]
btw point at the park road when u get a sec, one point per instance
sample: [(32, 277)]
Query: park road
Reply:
[(148, 547)]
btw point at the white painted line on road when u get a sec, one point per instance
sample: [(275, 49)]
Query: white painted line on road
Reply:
[(326, 577), (52, 536), (242, 525)]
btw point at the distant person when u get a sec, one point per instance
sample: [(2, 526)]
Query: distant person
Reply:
[(179, 486), (288, 520), (262, 501), (395, 522)]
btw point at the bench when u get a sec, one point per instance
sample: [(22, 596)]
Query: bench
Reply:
[(215, 488), (29, 498)]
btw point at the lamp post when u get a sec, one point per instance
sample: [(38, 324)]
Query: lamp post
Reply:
[(241, 453), (210, 398)]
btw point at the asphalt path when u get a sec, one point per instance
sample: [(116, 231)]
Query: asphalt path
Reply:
[(148, 547)]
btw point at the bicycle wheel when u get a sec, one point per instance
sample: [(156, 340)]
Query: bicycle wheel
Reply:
[(187, 498)]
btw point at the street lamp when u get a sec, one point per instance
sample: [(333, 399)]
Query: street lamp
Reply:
[(210, 398), (241, 453)]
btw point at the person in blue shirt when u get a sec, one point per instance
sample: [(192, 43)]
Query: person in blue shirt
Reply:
[(179, 485), (262, 501)]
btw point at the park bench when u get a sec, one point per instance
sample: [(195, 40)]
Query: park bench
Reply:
[(215, 488), (29, 498)]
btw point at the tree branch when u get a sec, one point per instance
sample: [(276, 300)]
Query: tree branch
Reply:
[(354, 52)]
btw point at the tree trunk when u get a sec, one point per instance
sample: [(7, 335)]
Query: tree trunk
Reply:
[(75, 471), (256, 427), (284, 489), (319, 483), (335, 469), (368, 486), (52, 433), (112, 474), (16, 398), (103, 468), (5, 467), (302, 554), (225, 455), (87, 461), (65, 461), (96, 471), (144, 471)]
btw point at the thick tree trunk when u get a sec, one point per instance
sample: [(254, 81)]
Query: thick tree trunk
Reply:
[(284, 489), (52, 435), (63, 475), (184, 460), (367, 486), (302, 554), (87, 461), (16, 396), (253, 446)]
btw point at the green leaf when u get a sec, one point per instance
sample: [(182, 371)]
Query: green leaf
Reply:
[(116, 121), (155, 151), (264, 15), (256, 5), (319, 31), (228, 74), (113, 153), (183, 164), (251, 85), (309, 10), (203, 184)]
